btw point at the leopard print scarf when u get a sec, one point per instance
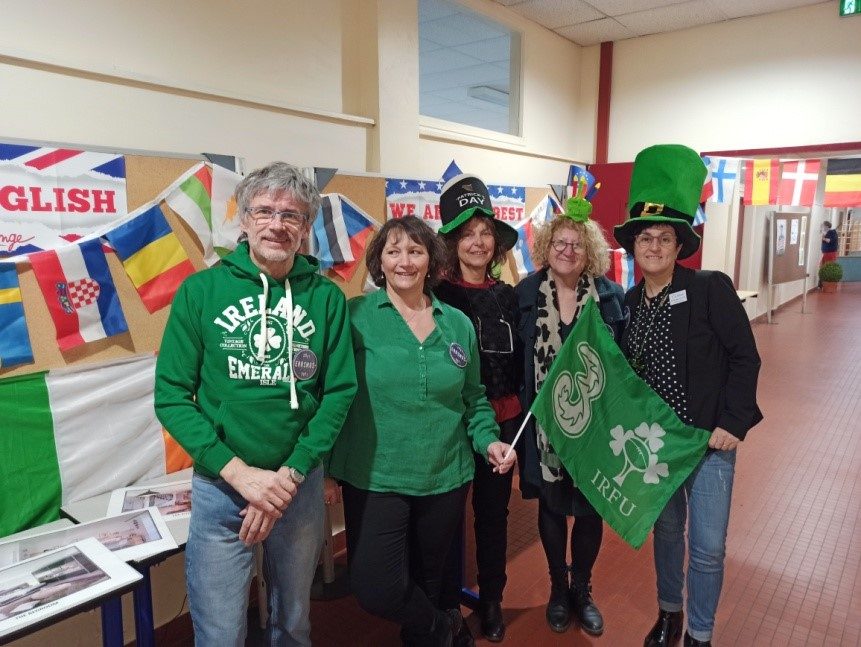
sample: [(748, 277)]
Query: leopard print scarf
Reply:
[(548, 341)]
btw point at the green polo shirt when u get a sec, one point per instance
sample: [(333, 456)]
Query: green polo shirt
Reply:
[(418, 414)]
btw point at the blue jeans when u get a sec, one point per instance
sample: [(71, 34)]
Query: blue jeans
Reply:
[(219, 567), (705, 496)]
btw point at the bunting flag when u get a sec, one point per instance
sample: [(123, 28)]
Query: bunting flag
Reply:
[(798, 182), (205, 201), (340, 234), (622, 268), (152, 257), (626, 449), (843, 183), (15, 345), (79, 292), (724, 173), (543, 212), (708, 189), (453, 170), (761, 181), (576, 172), (76, 433)]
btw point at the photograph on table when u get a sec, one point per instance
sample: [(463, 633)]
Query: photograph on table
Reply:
[(130, 536), (172, 499), (58, 581)]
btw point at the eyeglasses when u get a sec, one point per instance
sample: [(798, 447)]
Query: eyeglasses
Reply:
[(561, 245), (645, 240), (265, 215)]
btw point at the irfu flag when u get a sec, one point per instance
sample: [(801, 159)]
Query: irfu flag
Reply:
[(625, 447)]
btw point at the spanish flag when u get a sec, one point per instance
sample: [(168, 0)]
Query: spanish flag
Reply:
[(152, 257), (761, 180), (843, 183)]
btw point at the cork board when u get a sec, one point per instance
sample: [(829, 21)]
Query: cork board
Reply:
[(788, 245), (146, 177)]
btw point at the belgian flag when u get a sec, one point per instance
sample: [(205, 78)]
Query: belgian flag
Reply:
[(843, 183)]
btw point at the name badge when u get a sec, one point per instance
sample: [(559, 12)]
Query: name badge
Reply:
[(457, 354), (304, 364), (678, 297)]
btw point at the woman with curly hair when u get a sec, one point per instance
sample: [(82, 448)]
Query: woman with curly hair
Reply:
[(573, 255)]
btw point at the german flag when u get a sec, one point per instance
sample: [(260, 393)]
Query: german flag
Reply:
[(843, 183)]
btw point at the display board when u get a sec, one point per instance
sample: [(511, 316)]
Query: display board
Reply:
[(788, 243)]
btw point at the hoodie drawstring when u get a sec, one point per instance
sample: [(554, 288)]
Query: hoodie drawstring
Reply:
[(264, 333)]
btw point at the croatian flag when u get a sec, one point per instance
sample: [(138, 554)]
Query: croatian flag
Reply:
[(79, 292), (542, 213), (622, 268), (724, 173), (340, 234)]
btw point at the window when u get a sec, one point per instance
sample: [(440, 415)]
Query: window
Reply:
[(469, 68)]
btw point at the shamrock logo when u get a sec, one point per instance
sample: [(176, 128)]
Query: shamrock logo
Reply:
[(267, 339), (640, 448)]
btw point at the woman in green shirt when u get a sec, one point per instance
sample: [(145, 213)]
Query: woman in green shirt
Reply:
[(404, 456)]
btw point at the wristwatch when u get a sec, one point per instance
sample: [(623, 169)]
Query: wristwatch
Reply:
[(296, 475)]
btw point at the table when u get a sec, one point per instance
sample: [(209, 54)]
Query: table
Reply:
[(111, 605), (744, 295), (97, 507)]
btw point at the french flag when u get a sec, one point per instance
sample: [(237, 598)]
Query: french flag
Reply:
[(79, 292), (622, 268), (340, 234)]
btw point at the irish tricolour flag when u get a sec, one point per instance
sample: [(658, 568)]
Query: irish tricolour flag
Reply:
[(70, 434), (204, 199)]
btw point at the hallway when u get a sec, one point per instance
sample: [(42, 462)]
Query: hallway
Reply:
[(794, 548)]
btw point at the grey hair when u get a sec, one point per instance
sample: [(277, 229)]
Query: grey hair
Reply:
[(276, 177)]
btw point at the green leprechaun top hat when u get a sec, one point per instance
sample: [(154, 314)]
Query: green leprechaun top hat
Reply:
[(666, 186), (464, 196)]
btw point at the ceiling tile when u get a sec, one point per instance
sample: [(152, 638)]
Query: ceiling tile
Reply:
[(557, 13), (617, 7), (594, 32), (489, 51), (434, 9), (458, 29), (671, 18), (508, 3), (740, 8), (444, 60)]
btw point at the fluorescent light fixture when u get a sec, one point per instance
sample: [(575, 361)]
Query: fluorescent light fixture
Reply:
[(489, 94)]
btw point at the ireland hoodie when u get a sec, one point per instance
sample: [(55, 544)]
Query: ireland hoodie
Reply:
[(224, 385)]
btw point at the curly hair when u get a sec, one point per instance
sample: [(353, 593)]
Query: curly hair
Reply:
[(591, 237), (419, 233), (452, 239)]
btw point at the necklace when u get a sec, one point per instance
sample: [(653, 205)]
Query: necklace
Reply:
[(637, 361), (409, 320)]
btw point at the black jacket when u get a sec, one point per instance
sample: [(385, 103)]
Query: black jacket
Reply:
[(715, 350)]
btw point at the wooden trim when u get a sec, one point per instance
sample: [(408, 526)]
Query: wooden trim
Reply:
[(605, 81)]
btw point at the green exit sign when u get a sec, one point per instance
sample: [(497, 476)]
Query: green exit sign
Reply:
[(850, 7)]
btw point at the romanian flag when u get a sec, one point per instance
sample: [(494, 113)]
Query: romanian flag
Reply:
[(843, 183), (14, 341), (73, 433), (79, 292), (761, 180), (152, 256)]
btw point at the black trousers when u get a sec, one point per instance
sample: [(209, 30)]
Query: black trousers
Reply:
[(586, 536), (396, 549), (491, 494)]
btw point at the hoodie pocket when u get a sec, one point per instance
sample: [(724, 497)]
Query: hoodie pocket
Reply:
[(263, 433)]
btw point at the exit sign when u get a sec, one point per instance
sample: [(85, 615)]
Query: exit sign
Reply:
[(850, 7)]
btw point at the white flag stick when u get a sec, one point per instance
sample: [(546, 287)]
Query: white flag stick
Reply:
[(517, 437)]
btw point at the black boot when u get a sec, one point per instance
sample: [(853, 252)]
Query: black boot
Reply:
[(441, 634), (667, 630), (492, 622), (693, 642), (462, 634), (587, 613), (559, 606)]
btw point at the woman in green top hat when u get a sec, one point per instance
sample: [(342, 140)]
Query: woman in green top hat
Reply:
[(690, 340), (477, 243), (573, 255), (405, 453)]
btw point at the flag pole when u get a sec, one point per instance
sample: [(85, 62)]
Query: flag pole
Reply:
[(517, 436)]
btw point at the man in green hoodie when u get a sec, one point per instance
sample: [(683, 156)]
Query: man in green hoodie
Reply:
[(254, 379)]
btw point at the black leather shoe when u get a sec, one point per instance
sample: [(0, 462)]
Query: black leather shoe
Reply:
[(693, 642), (587, 613), (559, 609), (667, 630), (492, 623), (462, 634)]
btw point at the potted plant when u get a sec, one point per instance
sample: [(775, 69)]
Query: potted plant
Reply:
[(830, 274)]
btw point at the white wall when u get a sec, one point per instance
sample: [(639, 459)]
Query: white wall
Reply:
[(786, 79)]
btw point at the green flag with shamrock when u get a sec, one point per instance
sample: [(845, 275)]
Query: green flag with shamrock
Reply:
[(625, 447)]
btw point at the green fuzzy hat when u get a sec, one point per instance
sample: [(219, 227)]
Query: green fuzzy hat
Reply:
[(666, 186)]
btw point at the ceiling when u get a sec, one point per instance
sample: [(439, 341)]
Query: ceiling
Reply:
[(589, 22)]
